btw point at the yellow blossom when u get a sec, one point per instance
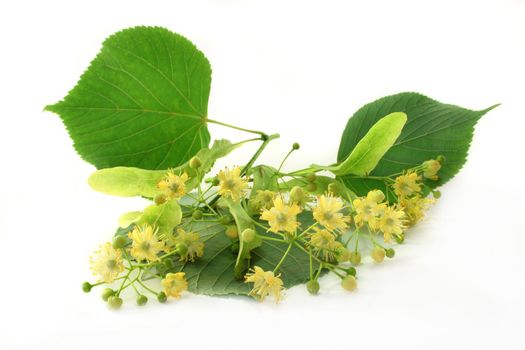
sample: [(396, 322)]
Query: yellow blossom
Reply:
[(406, 185), (391, 222), (145, 243), (264, 283), (373, 222), (281, 217), (262, 200), (376, 195), (231, 184), (195, 248), (415, 208), (323, 242), (431, 168), (328, 212), (174, 284), (107, 263), (174, 186), (366, 209)]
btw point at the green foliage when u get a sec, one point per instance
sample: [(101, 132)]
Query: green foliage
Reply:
[(432, 129), (141, 103)]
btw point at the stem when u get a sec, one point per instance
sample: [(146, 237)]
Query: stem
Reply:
[(261, 148), (282, 259), (234, 127)]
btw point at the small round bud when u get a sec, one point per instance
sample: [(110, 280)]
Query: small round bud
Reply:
[(297, 195), (313, 287), (197, 214), (161, 297), (351, 271), (235, 247), (311, 177), (376, 195), (296, 146), (115, 302), (142, 300), (334, 188), (195, 162), (343, 255), (119, 242), (86, 287), (436, 194), (107, 293), (399, 239), (441, 158), (390, 253), (231, 232), (349, 283), (215, 181), (355, 258), (160, 199), (168, 263), (311, 187), (225, 220), (248, 235), (181, 248), (378, 254)]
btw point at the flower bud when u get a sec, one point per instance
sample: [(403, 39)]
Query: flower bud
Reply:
[(390, 253), (86, 287), (351, 271), (115, 302), (349, 283), (441, 159), (142, 300), (215, 181), (231, 232), (355, 258), (431, 168), (296, 146), (311, 187), (248, 235), (235, 247), (334, 188), (311, 177), (378, 254), (399, 238), (197, 214), (107, 293), (313, 287), (160, 199), (343, 255), (297, 195), (436, 194), (225, 220), (376, 195), (119, 242), (161, 297), (168, 263), (181, 248), (195, 162)]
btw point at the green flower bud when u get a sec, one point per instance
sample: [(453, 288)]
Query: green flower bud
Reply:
[(181, 248), (197, 214), (349, 283), (311, 177), (343, 255), (313, 287), (86, 287), (161, 297), (351, 271), (296, 146), (168, 263), (355, 258), (160, 199), (142, 300), (225, 220), (248, 235), (235, 247), (115, 302), (231, 232), (311, 187), (399, 239), (107, 293), (297, 195), (334, 188), (119, 242), (390, 253), (195, 162), (378, 254), (441, 158), (215, 181), (436, 194)]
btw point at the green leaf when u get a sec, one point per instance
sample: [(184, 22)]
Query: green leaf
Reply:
[(212, 274), (373, 146), (127, 219), (129, 181), (164, 216), (432, 129), (141, 103)]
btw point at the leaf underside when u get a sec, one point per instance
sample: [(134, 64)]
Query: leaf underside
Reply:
[(142, 102)]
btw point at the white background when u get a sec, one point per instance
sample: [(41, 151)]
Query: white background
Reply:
[(301, 69)]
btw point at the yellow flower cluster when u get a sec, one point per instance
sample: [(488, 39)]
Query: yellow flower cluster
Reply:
[(264, 283), (173, 186), (145, 243), (231, 185), (107, 263), (282, 217)]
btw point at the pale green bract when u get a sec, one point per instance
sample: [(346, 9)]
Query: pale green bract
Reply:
[(163, 216)]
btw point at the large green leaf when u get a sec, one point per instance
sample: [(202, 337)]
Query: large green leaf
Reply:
[(212, 274), (141, 103), (432, 129)]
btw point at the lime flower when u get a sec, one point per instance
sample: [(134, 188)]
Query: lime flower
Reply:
[(264, 283), (323, 242), (191, 240), (281, 217), (328, 212), (231, 184), (431, 168), (145, 244), (107, 263), (415, 208), (174, 284), (391, 222), (408, 184), (174, 186), (262, 200), (376, 195)]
